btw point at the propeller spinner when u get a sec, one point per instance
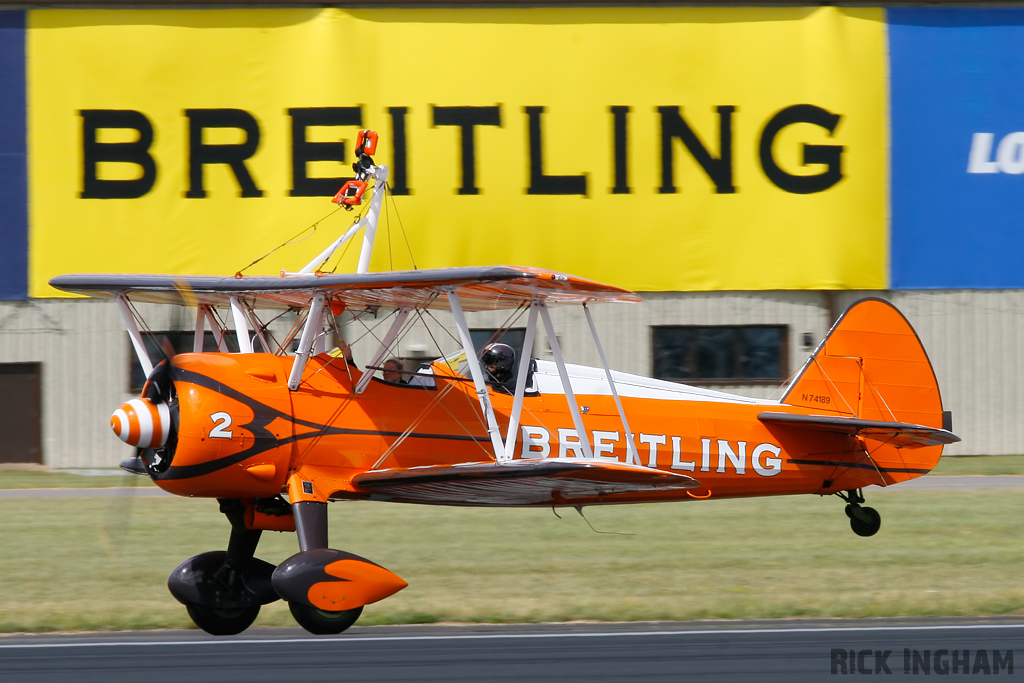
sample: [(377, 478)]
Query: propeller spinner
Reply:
[(142, 423)]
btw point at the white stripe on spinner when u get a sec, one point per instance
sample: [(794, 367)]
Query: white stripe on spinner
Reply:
[(122, 423)]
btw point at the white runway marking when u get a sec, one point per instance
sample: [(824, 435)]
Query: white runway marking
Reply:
[(514, 636)]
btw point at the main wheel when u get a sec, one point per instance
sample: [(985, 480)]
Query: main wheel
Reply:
[(222, 622), (321, 622), (867, 523)]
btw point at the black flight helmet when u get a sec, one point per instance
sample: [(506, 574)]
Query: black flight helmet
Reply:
[(499, 359)]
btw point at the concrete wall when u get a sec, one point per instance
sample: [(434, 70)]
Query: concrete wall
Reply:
[(971, 337)]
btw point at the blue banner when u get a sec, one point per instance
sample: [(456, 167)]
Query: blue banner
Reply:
[(957, 126), (13, 162)]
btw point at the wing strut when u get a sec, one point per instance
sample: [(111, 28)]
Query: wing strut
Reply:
[(314, 325), (570, 397), (258, 329), (631, 454), (133, 332), (477, 373), (199, 337), (241, 326), (382, 349), (524, 370), (218, 331)]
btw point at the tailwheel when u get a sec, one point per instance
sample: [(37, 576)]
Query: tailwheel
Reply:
[(223, 622), (322, 622), (864, 521)]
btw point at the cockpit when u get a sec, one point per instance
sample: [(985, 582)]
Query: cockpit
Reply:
[(456, 366)]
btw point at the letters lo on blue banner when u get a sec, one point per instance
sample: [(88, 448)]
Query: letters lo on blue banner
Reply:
[(957, 127)]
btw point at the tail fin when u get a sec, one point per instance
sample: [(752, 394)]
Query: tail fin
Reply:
[(872, 366)]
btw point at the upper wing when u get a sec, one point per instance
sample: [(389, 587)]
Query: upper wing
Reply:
[(555, 481), (482, 288), (900, 434)]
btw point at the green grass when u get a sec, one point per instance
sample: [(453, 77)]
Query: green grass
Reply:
[(90, 563), (983, 465), (14, 477)]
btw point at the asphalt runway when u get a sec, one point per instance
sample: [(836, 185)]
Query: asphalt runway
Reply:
[(790, 651)]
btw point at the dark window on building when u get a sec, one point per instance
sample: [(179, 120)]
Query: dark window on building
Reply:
[(513, 337), (159, 344), (747, 354)]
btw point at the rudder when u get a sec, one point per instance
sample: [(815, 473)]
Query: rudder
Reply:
[(872, 366)]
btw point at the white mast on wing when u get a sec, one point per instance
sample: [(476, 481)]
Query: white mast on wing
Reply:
[(350, 194)]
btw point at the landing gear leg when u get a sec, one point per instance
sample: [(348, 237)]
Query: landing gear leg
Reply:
[(864, 521), (241, 545), (241, 549), (223, 591), (311, 528), (310, 524)]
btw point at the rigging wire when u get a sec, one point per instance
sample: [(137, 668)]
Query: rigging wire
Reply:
[(341, 257), (474, 404), (418, 419), (311, 229), (405, 235)]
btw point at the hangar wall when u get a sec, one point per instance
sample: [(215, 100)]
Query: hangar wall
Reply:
[(970, 335)]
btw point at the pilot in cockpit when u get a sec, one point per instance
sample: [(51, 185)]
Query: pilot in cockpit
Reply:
[(393, 371), (498, 360)]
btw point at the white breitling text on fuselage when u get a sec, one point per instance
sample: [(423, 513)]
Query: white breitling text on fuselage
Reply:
[(718, 455)]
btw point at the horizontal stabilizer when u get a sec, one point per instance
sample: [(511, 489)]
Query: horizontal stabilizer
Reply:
[(899, 434), (514, 483)]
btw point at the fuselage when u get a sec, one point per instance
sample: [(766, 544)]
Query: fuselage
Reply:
[(241, 432)]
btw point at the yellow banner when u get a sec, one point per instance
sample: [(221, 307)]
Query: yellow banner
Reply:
[(651, 148)]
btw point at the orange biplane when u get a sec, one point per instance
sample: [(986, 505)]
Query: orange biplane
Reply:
[(274, 435)]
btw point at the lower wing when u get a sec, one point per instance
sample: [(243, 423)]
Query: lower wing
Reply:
[(555, 481)]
